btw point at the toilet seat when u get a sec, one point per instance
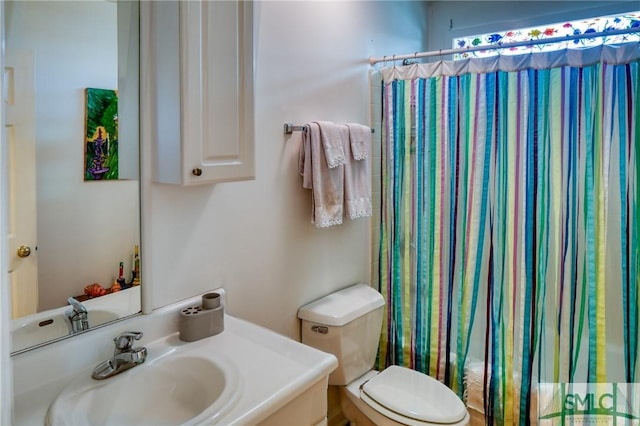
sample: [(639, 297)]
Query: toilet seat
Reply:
[(403, 394)]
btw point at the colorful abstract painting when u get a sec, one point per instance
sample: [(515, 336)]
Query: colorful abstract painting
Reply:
[(101, 135)]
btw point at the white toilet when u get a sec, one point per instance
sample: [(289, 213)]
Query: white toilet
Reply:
[(347, 323)]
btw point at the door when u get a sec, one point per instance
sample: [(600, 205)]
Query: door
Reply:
[(19, 131)]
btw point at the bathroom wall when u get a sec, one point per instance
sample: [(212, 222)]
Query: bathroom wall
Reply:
[(255, 237)]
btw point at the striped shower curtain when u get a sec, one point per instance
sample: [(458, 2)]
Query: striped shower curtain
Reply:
[(510, 224)]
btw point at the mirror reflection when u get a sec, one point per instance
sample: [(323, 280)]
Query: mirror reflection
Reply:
[(71, 123)]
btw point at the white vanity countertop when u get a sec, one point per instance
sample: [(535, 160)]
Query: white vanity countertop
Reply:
[(273, 369)]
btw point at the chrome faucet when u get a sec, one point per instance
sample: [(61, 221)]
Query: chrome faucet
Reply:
[(78, 316), (124, 356)]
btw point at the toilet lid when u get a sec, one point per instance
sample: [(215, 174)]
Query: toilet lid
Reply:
[(414, 395)]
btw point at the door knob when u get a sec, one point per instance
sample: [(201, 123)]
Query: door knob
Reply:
[(24, 251)]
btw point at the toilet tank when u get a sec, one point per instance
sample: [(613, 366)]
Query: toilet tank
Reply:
[(347, 324)]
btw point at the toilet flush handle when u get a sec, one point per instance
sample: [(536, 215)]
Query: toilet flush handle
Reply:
[(320, 329)]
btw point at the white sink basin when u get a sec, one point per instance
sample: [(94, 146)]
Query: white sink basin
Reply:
[(29, 331), (246, 375), (99, 317), (171, 390), (51, 325)]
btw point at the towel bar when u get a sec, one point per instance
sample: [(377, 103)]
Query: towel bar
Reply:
[(290, 128)]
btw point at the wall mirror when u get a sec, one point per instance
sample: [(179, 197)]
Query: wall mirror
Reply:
[(72, 129)]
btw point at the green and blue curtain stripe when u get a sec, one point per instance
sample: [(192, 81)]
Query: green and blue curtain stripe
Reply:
[(509, 228)]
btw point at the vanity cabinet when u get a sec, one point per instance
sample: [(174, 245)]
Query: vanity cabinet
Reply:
[(198, 75)]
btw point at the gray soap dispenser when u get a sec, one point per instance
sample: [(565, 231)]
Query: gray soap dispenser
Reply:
[(198, 322)]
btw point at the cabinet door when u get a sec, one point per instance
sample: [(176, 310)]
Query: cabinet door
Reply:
[(214, 82)]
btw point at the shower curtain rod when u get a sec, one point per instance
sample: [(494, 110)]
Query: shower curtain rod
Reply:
[(443, 52)]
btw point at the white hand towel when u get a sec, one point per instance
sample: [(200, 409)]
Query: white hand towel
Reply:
[(357, 180), (327, 185), (332, 143), (360, 140)]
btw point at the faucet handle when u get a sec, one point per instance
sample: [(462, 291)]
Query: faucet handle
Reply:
[(124, 341), (77, 306)]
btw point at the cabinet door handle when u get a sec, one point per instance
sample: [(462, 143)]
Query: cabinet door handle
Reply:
[(196, 172)]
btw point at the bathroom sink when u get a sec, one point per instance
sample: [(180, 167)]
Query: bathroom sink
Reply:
[(245, 375), (99, 317), (29, 331), (170, 390)]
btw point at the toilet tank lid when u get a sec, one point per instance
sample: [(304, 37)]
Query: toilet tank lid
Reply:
[(343, 306)]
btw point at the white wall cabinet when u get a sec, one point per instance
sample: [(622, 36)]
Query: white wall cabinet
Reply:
[(199, 77)]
